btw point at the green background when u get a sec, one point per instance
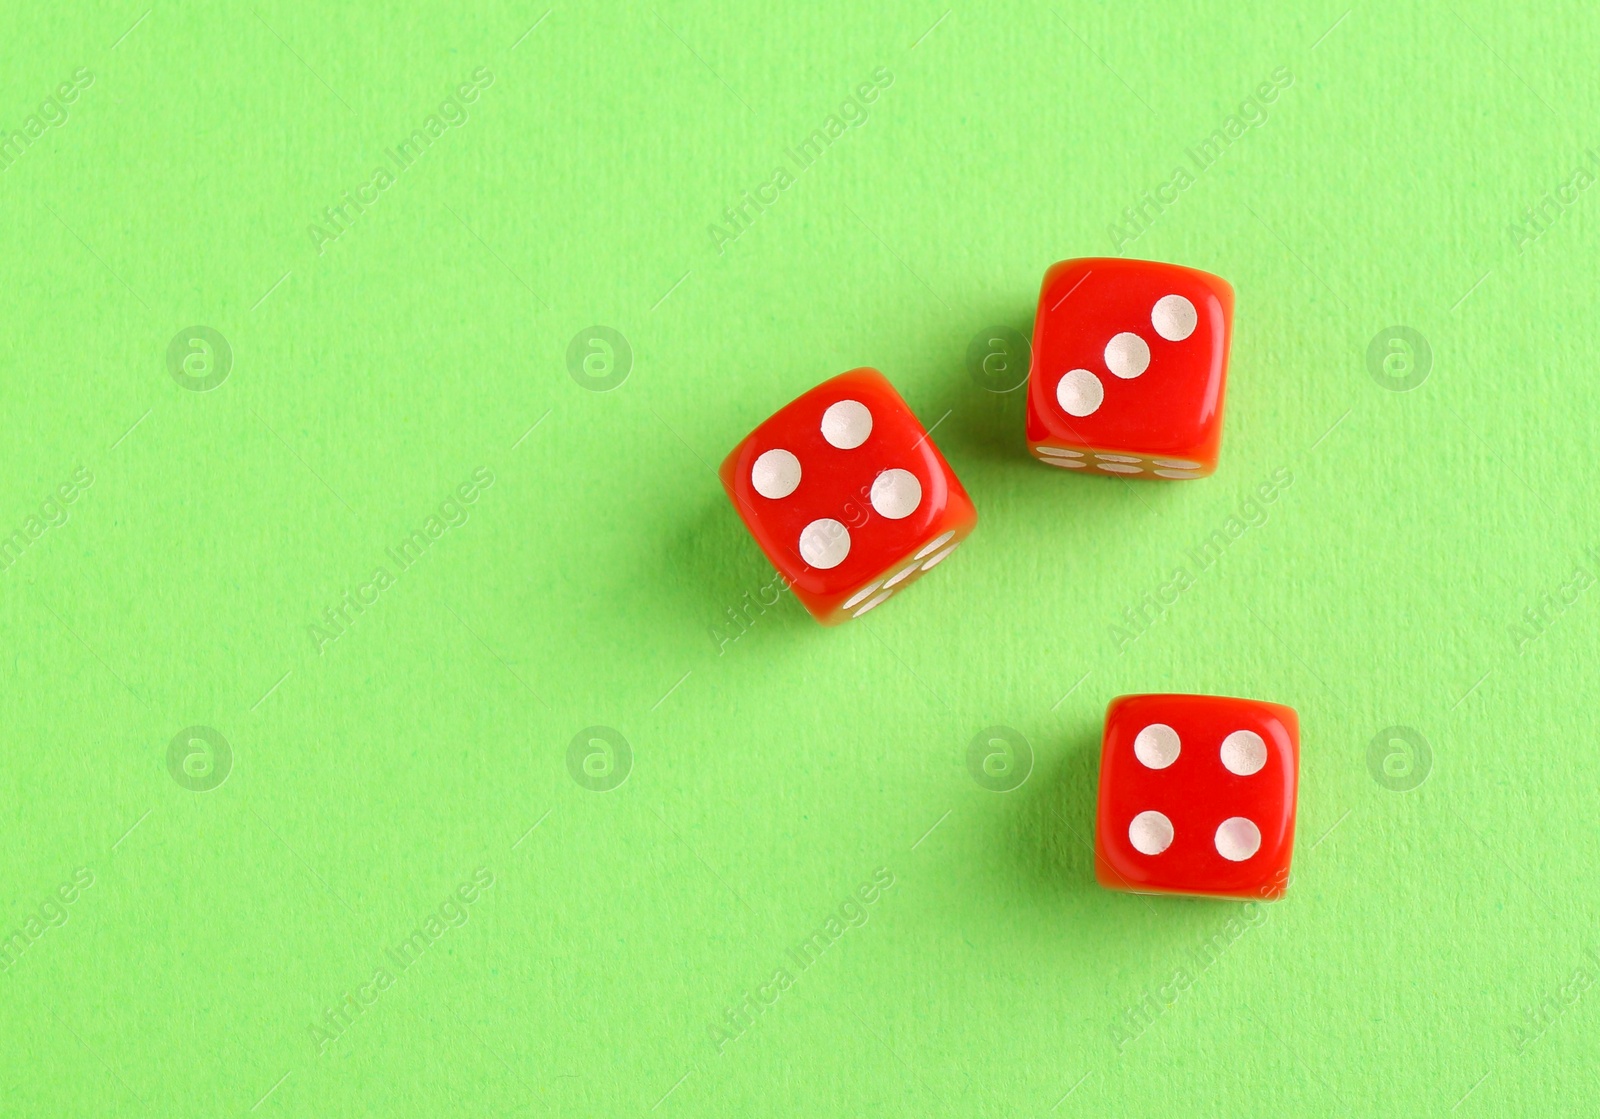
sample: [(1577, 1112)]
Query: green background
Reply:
[(1440, 895)]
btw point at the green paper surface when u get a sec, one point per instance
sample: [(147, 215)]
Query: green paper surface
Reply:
[(399, 721)]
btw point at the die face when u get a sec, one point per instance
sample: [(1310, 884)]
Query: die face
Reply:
[(1197, 796), (847, 496), (1129, 366)]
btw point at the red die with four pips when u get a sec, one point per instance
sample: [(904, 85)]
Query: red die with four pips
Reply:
[(1129, 363), (1197, 796), (847, 496)]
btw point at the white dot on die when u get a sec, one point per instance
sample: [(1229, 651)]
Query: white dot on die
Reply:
[(873, 603), (1117, 458), (1060, 452), (1156, 746), (1069, 463), (846, 424), (1174, 473), (1080, 393), (936, 543), (1238, 839), (934, 561), (824, 543), (1120, 468), (861, 594), (775, 474), (1150, 833), (1174, 317), (901, 576), (1178, 463), (1244, 752), (1127, 355), (896, 494)]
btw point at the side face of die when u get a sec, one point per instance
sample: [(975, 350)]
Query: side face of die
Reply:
[(1197, 796), (1130, 359), (847, 496)]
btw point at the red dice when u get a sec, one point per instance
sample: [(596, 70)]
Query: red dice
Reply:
[(847, 496), (1197, 796), (1129, 361)]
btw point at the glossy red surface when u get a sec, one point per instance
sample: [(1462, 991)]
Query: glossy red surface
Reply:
[(1173, 409), (837, 484), (1197, 792)]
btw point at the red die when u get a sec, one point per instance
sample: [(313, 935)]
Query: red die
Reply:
[(1197, 796), (1129, 360), (847, 495)]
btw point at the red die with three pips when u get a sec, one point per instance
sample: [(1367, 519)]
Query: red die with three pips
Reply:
[(1129, 363)]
